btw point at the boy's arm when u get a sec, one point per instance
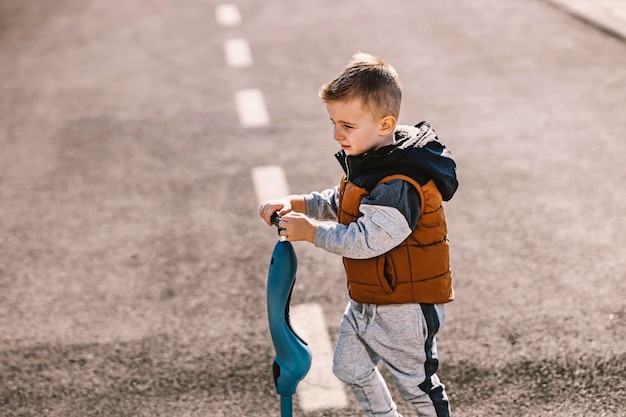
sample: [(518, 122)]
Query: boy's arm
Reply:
[(322, 205), (390, 214)]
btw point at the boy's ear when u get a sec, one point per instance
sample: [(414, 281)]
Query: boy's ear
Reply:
[(387, 125)]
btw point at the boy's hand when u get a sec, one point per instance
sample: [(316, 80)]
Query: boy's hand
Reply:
[(297, 226), (282, 206)]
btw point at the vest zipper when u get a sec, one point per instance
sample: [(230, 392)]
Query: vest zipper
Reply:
[(342, 188)]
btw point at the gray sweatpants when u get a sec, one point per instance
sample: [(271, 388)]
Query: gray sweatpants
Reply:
[(402, 336)]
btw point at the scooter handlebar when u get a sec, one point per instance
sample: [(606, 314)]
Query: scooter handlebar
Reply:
[(275, 220)]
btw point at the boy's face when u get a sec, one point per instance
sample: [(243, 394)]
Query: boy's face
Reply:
[(355, 128)]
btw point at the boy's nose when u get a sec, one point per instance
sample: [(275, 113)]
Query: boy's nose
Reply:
[(337, 134)]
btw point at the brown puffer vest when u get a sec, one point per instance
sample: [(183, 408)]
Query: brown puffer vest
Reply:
[(417, 270)]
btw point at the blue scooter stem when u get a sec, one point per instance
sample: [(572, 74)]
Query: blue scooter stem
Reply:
[(293, 357)]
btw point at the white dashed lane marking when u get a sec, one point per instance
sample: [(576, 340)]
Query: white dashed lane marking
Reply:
[(269, 183), (237, 52), (227, 15), (319, 390), (251, 108)]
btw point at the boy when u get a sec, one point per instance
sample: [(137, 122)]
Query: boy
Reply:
[(391, 232)]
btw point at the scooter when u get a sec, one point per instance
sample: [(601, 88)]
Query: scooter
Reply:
[(293, 356)]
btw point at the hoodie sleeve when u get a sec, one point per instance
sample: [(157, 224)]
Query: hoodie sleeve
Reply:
[(390, 214), (322, 205)]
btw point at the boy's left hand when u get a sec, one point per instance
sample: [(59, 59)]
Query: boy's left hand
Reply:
[(297, 226)]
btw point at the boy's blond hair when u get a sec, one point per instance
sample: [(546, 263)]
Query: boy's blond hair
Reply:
[(370, 79)]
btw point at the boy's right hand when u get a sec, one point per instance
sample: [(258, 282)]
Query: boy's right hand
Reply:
[(282, 206)]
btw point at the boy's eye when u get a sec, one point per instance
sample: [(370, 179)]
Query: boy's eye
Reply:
[(342, 124)]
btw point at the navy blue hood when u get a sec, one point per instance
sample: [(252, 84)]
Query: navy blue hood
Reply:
[(416, 152)]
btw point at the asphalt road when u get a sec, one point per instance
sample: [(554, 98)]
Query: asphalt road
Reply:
[(132, 262)]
